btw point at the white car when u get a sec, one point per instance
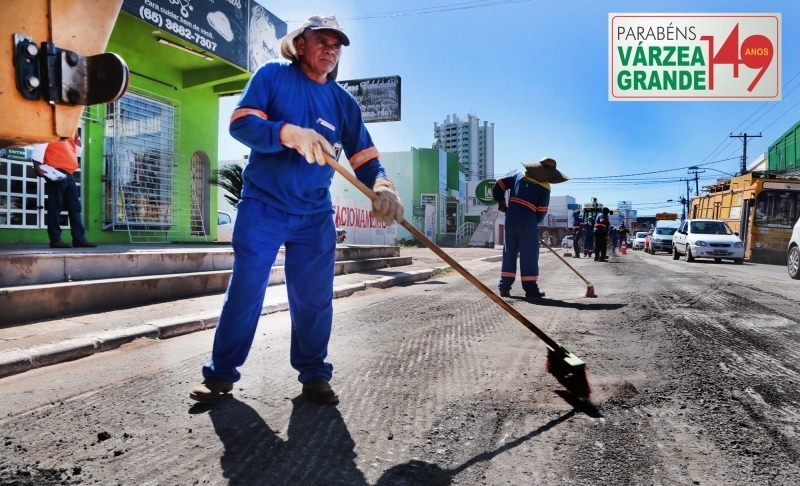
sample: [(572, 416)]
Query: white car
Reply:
[(638, 240), (567, 242), (707, 238), (794, 252), (225, 226)]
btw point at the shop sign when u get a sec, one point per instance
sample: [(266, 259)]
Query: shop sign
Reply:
[(484, 192), (239, 31)]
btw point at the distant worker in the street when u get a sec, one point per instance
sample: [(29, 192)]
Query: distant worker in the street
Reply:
[(577, 230), (588, 237), (61, 190), (614, 235), (527, 206), (292, 115), (623, 234), (601, 225)]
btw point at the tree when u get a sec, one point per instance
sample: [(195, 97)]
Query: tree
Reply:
[(229, 178)]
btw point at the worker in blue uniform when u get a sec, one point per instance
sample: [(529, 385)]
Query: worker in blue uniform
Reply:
[(577, 230), (528, 201), (588, 237), (601, 225), (291, 114)]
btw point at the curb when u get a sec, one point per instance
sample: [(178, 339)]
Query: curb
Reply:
[(17, 361)]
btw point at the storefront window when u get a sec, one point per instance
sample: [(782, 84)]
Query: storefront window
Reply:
[(776, 209)]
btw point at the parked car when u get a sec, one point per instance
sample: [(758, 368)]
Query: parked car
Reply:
[(629, 241), (707, 238), (567, 242), (794, 252), (661, 239), (225, 226), (647, 240), (638, 240)]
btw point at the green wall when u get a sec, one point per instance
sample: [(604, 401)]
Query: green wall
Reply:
[(783, 153), (190, 83)]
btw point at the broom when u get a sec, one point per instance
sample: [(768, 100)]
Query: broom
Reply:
[(567, 368), (589, 286)]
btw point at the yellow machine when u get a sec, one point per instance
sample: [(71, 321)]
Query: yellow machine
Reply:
[(52, 65), (761, 207)]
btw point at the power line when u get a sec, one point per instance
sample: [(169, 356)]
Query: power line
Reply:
[(436, 9), (653, 172)]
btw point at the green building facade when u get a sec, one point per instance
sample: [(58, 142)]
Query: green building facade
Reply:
[(783, 154), (146, 158), (429, 176)]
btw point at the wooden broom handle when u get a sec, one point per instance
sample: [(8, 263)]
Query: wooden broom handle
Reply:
[(565, 262), (447, 258)]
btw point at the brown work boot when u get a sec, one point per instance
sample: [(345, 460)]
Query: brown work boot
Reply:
[(320, 391), (83, 244), (60, 244), (210, 390)]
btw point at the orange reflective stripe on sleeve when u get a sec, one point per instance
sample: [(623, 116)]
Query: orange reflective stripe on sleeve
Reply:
[(501, 184), (363, 157), (242, 112)]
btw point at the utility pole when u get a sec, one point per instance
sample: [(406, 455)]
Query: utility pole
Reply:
[(744, 137), (696, 179)]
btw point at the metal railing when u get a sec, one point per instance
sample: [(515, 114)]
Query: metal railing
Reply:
[(465, 229)]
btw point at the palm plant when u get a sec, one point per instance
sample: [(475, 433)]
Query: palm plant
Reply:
[(229, 178)]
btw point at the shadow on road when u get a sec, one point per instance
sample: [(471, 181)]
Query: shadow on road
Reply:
[(319, 448), (428, 474), (544, 301)]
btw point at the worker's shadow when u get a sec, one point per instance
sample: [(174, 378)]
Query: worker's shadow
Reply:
[(319, 448), (544, 301)]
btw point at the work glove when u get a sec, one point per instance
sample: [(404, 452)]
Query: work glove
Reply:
[(307, 142), (501, 206), (386, 207)]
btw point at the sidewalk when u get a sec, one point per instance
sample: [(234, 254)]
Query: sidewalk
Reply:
[(45, 343)]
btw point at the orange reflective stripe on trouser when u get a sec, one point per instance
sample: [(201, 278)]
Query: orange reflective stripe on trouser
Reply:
[(530, 278), (508, 274)]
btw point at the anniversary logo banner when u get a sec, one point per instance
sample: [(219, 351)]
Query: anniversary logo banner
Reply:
[(694, 57)]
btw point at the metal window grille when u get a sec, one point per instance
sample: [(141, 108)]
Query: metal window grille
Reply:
[(150, 189)]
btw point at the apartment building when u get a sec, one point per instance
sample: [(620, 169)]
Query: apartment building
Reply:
[(472, 140)]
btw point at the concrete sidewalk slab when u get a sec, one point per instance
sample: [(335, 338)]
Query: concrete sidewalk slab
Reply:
[(29, 346)]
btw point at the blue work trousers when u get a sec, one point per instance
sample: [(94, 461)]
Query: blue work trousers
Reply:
[(522, 241), (63, 194), (310, 243)]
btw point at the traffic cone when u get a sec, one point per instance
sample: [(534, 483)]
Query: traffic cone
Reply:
[(623, 249)]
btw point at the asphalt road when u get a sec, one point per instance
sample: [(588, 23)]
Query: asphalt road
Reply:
[(694, 368)]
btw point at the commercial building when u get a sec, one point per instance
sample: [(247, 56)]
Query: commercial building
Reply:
[(472, 141), (431, 185), (147, 157)]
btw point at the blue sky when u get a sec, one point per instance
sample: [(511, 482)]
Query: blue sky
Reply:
[(539, 71)]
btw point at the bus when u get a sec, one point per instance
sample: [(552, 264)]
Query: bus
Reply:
[(761, 207)]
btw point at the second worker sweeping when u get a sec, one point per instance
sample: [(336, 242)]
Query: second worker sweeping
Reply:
[(529, 198)]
